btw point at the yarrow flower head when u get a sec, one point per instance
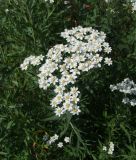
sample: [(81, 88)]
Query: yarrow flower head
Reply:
[(60, 144), (53, 139), (84, 50), (67, 139), (128, 87), (108, 61)]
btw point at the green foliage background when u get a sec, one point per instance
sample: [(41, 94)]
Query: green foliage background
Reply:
[(32, 27)]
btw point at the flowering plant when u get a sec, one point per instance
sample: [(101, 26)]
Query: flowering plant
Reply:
[(86, 49), (68, 73)]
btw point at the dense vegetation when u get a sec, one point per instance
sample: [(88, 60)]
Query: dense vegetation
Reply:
[(32, 27)]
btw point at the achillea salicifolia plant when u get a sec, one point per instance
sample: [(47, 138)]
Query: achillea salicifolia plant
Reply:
[(128, 87), (86, 49)]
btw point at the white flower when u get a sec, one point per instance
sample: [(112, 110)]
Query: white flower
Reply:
[(59, 111), (107, 49), (7, 10), (59, 89), (67, 106), (60, 144), (24, 66), (67, 139), (108, 61), (33, 60), (133, 102), (36, 60), (56, 137), (75, 110), (53, 139), (104, 148), (67, 97), (53, 80), (113, 88), (125, 100)]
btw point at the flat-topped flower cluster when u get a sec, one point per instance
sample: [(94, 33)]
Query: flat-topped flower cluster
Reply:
[(128, 87), (85, 49)]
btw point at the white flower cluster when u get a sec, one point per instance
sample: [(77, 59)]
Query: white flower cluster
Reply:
[(33, 60), (54, 138), (50, 1), (68, 61), (128, 87), (84, 50), (133, 5), (110, 150)]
